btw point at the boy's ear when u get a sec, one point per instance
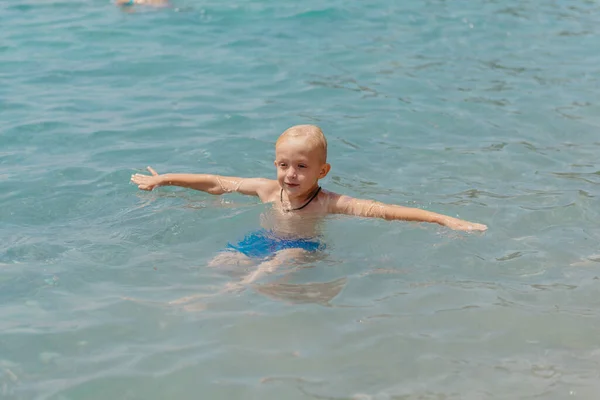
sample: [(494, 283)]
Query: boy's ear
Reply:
[(324, 170)]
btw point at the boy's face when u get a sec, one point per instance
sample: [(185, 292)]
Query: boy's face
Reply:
[(299, 166)]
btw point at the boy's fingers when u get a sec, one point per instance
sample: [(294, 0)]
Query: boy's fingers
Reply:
[(152, 171), (479, 227)]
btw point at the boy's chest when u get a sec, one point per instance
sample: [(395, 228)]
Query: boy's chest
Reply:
[(311, 206), (301, 223)]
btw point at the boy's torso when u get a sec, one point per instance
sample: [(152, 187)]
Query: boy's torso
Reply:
[(298, 223)]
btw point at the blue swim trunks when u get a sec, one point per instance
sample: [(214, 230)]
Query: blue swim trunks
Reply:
[(263, 244)]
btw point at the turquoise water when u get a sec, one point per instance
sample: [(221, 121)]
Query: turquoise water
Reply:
[(486, 110)]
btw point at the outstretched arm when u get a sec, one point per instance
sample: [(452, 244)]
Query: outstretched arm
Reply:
[(213, 184), (367, 208)]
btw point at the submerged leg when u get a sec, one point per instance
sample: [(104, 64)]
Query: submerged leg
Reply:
[(281, 257), (229, 258), (286, 256), (221, 260)]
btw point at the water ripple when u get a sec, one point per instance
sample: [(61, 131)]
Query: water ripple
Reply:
[(486, 111)]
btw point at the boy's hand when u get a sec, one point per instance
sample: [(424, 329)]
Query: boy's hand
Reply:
[(146, 182), (460, 225)]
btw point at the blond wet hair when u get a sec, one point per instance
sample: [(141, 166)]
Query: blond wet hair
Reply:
[(312, 134)]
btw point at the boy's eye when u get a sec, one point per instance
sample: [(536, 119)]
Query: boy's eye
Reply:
[(302, 166), (282, 164)]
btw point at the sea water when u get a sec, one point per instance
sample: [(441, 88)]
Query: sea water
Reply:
[(483, 110)]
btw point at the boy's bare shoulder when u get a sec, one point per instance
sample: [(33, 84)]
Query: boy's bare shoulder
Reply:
[(344, 204), (333, 196), (267, 189), (335, 200)]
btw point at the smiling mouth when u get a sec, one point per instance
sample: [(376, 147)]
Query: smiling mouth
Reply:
[(292, 184)]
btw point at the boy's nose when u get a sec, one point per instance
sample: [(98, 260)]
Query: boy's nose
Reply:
[(292, 172)]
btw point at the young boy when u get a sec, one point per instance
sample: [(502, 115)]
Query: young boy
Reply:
[(298, 200)]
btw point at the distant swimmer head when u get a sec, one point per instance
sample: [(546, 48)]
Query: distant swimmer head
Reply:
[(151, 3)]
